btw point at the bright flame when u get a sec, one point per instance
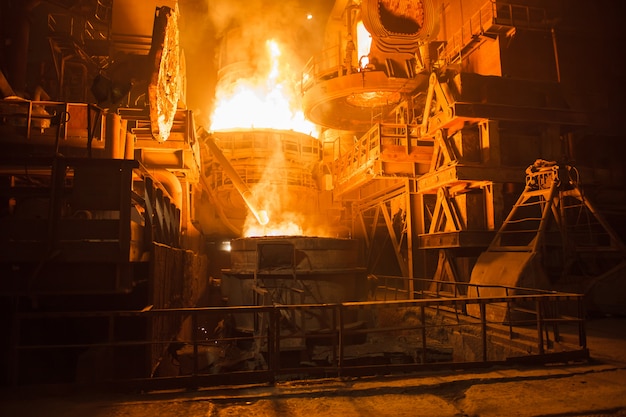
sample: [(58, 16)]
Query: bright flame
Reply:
[(266, 100), (364, 44), (273, 200), (285, 228)]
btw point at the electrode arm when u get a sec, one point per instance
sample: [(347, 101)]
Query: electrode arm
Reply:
[(244, 191)]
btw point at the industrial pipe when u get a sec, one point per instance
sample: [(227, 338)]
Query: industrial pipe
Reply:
[(260, 215), (172, 185)]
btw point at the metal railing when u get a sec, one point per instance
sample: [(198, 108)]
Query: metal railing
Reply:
[(244, 150), (491, 15), (258, 143), (436, 331), (520, 15), (475, 26), (360, 157), (326, 65), (30, 122), (545, 306), (370, 147)]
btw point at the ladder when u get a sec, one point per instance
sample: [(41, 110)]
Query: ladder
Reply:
[(552, 236), (552, 210)]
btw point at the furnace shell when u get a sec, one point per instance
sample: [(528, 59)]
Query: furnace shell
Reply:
[(284, 161)]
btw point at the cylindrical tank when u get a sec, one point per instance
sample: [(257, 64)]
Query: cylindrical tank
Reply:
[(278, 166)]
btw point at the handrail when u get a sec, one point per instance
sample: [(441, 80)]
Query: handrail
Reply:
[(242, 150), (489, 14), (327, 64), (473, 27), (370, 146), (542, 310)]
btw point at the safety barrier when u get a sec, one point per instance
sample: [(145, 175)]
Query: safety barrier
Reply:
[(439, 330)]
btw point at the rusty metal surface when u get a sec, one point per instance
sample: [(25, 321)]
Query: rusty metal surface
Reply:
[(167, 79)]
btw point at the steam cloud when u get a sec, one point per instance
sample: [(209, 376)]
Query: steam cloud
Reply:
[(205, 22)]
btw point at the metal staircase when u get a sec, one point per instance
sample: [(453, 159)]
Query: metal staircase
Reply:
[(553, 210), (552, 236)]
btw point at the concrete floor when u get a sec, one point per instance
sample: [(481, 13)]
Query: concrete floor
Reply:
[(596, 388)]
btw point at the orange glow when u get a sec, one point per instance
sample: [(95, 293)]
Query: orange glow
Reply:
[(286, 228), (364, 44), (267, 100), (273, 199)]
